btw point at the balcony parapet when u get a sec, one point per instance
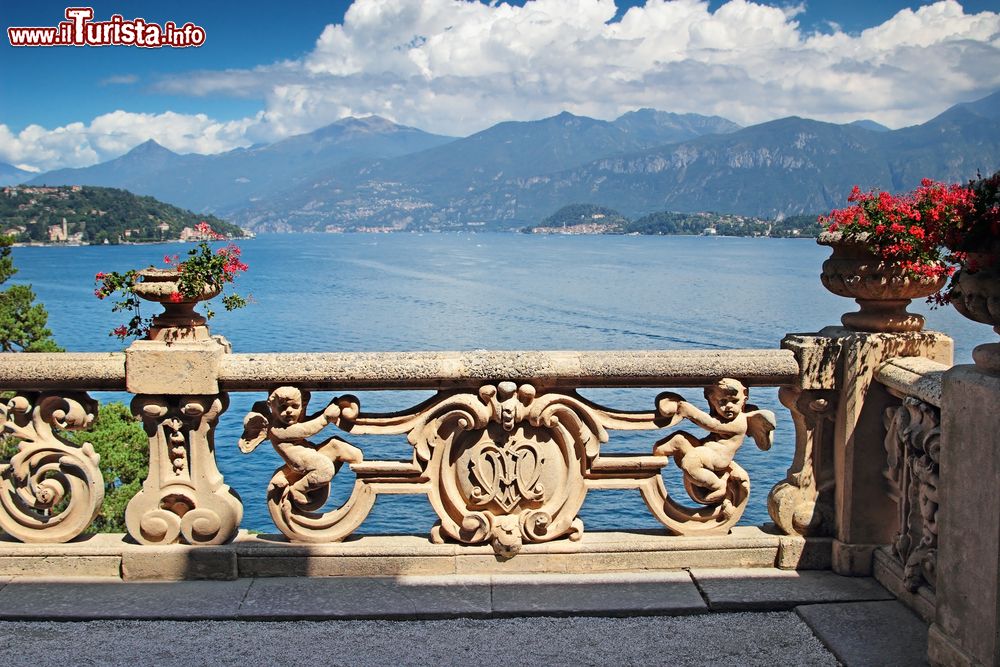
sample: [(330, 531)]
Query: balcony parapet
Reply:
[(527, 446)]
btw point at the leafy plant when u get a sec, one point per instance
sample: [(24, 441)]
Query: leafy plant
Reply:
[(908, 230), (975, 240), (203, 268), (22, 321)]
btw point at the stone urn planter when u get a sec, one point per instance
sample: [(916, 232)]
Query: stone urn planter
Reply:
[(977, 296), (178, 321), (881, 289)]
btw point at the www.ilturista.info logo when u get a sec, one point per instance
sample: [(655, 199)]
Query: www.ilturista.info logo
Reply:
[(80, 30)]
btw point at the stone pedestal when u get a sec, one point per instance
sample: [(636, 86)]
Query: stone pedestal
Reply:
[(966, 629), (184, 497), (840, 364)]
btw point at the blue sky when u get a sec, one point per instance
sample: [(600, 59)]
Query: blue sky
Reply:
[(269, 70)]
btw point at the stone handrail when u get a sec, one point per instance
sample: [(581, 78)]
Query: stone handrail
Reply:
[(437, 370), (94, 371), (918, 377), (421, 370)]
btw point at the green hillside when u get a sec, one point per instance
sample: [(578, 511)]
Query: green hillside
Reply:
[(671, 222), (592, 219), (95, 215)]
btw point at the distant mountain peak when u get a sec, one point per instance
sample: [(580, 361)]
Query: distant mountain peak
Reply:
[(868, 124), (150, 147)]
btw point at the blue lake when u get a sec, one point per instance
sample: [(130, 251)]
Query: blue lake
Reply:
[(390, 292)]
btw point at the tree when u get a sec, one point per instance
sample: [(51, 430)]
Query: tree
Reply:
[(22, 321), (124, 450), (116, 435)]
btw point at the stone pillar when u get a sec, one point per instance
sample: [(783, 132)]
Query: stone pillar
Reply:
[(845, 362), (184, 497), (966, 629)]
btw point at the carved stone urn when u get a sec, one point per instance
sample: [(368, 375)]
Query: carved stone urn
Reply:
[(977, 296), (178, 321), (883, 290)]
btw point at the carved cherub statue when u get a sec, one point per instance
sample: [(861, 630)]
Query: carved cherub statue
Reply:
[(281, 418), (706, 461)]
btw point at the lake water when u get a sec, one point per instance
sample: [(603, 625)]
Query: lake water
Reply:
[(390, 292)]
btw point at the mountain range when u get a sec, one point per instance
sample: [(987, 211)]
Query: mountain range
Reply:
[(372, 173)]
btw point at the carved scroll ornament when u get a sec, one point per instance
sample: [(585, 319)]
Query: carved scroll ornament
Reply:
[(184, 497), (52, 488), (913, 448)]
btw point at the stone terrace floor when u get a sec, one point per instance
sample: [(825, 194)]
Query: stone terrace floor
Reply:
[(756, 616)]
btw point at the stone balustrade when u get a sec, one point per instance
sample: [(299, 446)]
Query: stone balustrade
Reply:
[(506, 451), (894, 451)]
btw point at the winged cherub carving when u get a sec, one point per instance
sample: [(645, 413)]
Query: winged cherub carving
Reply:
[(282, 419), (706, 461)]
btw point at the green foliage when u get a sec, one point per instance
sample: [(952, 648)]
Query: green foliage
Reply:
[(99, 214), (724, 224), (124, 449), (204, 268), (22, 321), (673, 223), (584, 214)]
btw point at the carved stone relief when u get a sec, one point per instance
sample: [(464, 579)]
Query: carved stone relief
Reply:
[(183, 498), (913, 447), (302, 485), (52, 488), (505, 465)]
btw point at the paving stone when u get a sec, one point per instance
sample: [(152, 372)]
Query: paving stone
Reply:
[(874, 634), (367, 597), (69, 599), (608, 594), (767, 588)]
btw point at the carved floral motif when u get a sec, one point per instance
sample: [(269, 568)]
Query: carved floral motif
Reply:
[(184, 497), (52, 488), (913, 447)]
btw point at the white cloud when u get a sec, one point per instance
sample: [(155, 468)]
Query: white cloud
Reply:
[(112, 134), (455, 67)]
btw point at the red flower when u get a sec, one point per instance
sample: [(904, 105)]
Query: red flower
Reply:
[(175, 297)]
